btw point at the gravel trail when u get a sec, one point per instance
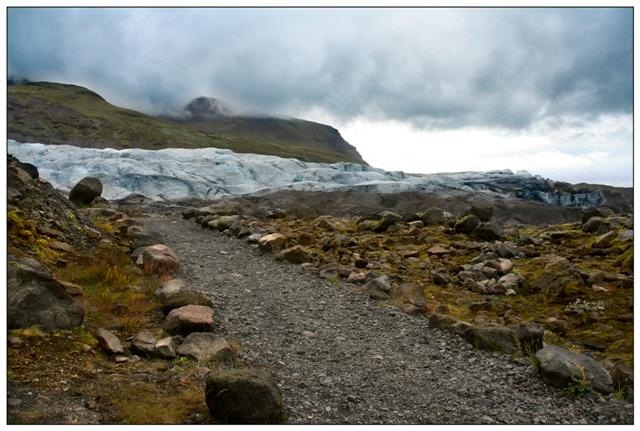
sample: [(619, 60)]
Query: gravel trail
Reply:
[(341, 358)]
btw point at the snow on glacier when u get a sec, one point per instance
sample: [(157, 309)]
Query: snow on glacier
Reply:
[(210, 173)]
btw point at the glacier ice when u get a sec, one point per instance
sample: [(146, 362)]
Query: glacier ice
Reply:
[(211, 173)]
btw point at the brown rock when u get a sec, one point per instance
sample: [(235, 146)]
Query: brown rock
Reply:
[(272, 243), (160, 260), (296, 254), (108, 341), (438, 250), (188, 319)]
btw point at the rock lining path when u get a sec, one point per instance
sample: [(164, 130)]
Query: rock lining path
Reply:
[(341, 358)]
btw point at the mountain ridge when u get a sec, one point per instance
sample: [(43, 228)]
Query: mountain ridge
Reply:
[(56, 113)]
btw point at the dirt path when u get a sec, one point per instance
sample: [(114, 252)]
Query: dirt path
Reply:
[(342, 358)]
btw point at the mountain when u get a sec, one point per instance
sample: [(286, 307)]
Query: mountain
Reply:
[(55, 113), (323, 142)]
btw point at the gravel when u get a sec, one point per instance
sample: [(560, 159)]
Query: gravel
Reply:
[(341, 358)]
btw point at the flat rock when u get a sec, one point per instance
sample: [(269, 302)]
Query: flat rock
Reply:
[(108, 341), (144, 343), (188, 319), (165, 348), (205, 347), (160, 260)]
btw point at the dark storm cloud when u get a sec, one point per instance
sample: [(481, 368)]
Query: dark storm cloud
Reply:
[(434, 67)]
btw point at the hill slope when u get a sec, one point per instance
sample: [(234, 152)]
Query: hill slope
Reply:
[(56, 113), (322, 141)]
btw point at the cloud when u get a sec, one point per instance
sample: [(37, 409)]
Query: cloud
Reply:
[(434, 68)]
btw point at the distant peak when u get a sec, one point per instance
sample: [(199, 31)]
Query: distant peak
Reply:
[(205, 108)]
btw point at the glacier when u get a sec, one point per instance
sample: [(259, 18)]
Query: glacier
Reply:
[(212, 173)]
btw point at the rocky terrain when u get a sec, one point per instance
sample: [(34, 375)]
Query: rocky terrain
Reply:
[(387, 314)]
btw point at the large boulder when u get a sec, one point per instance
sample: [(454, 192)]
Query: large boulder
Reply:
[(85, 191), (188, 319), (488, 231), (35, 298), (379, 288), (561, 367), (387, 219), (482, 210), (160, 260), (244, 396)]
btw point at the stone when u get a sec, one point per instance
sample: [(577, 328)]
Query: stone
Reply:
[(560, 367), (433, 216), (387, 219), (143, 239), (492, 338), (411, 295), (530, 336), (224, 222), (171, 287), (359, 262), (488, 231), (165, 348), (61, 246), (438, 250), (605, 240), (160, 260), (296, 254), (504, 266), (254, 238), (188, 319), (483, 211), (356, 277), (272, 243), (467, 224), (35, 298), (85, 191), (182, 298), (244, 396), (379, 288), (441, 278), (507, 251), (509, 281), (559, 326), (206, 347), (108, 341), (596, 225), (591, 212), (621, 375), (305, 238), (144, 343)]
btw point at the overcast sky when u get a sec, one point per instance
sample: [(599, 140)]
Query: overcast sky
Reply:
[(419, 90)]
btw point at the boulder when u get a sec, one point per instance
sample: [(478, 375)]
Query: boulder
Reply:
[(85, 191), (605, 240), (433, 216), (592, 212), (182, 298), (387, 219), (596, 225), (561, 367), (35, 298), (296, 254), (621, 375), (144, 238), (244, 396), (488, 231), (492, 338), (165, 348), (483, 211), (272, 243), (188, 319), (108, 341), (205, 347), (160, 260), (171, 287), (467, 224), (144, 343), (379, 288), (530, 336), (438, 250), (410, 296)]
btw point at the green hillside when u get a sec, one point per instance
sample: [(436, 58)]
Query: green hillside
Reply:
[(54, 113)]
